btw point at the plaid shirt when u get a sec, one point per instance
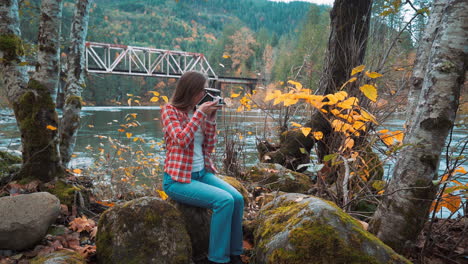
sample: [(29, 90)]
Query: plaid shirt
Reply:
[(179, 132)]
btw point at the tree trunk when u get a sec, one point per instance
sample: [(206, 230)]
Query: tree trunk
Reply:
[(349, 27), (422, 58), (32, 103), (75, 81), (401, 215)]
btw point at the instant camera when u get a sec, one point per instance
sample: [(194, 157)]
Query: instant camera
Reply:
[(212, 94)]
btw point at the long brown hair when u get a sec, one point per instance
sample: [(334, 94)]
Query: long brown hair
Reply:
[(189, 85)]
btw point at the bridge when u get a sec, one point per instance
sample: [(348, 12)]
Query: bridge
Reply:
[(150, 62)]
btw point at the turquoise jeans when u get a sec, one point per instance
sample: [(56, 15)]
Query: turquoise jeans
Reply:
[(208, 191)]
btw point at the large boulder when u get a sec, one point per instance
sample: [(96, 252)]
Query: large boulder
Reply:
[(296, 229), (145, 230), (278, 178), (25, 218), (197, 223), (59, 257)]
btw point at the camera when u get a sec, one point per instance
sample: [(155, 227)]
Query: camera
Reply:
[(212, 94)]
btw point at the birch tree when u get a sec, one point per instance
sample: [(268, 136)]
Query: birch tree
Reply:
[(31, 99), (75, 81), (401, 215)]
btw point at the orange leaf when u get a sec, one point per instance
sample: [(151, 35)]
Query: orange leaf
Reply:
[(51, 127), (77, 171), (318, 135)]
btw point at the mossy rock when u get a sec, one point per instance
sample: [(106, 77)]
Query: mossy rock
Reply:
[(296, 229), (278, 178), (238, 186), (59, 257), (145, 230)]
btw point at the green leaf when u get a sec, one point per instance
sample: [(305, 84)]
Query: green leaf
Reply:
[(378, 185), (303, 150), (329, 157)]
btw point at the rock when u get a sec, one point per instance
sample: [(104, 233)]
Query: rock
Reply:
[(59, 257), (25, 218), (278, 178), (197, 223), (145, 230), (239, 187), (296, 228)]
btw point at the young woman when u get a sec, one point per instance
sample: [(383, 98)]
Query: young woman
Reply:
[(190, 136)]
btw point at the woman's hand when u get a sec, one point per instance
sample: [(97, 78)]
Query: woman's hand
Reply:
[(210, 108)]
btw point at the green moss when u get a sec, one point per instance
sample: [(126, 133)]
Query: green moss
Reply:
[(315, 241), (12, 47), (74, 100), (65, 192), (6, 160)]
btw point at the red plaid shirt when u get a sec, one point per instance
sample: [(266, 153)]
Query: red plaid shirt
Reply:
[(179, 132)]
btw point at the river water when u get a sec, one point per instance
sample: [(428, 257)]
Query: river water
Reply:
[(100, 123)]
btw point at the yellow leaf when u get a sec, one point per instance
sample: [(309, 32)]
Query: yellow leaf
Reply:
[(348, 103), (277, 100), (341, 95), (381, 192), (91, 126), (129, 135), (332, 99), (51, 127), (234, 95), (318, 135), (154, 93), (373, 75), (358, 125), (303, 150), (352, 79), (129, 101), (165, 98), (130, 95), (135, 139), (306, 131), (368, 117), (134, 115), (162, 194), (296, 124), (357, 69), (154, 99), (369, 91), (383, 131), (77, 171), (240, 108), (297, 85), (226, 56), (290, 101)]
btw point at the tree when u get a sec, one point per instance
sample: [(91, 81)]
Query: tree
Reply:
[(75, 81), (401, 215), (31, 99)]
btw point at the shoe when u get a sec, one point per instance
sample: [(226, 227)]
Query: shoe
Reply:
[(236, 260)]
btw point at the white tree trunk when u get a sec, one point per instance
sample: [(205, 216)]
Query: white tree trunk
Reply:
[(422, 58), (402, 214), (75, 80)]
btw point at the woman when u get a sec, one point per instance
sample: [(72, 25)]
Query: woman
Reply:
[(190, 136)]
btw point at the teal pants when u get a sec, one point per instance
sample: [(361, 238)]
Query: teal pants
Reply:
[(208, 191)]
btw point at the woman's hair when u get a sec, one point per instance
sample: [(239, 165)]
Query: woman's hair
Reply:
[(189, 85)]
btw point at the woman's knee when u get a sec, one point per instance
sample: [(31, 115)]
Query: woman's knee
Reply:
[(224, 200)]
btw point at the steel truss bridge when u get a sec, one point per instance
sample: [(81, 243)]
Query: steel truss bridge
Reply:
[(151, 62)]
